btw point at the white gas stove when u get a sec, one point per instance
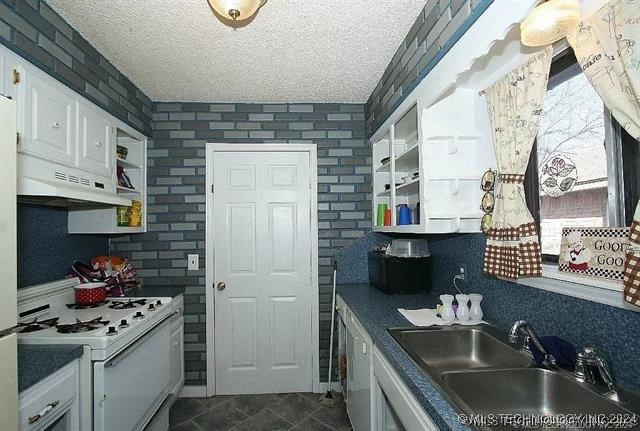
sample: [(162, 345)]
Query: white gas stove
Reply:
[(105, 328), (127, 349)]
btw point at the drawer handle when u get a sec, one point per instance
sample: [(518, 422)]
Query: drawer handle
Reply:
[(45, 411), (98, 144), (55, 125), (176, 344)]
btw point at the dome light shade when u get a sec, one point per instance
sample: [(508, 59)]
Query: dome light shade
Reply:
[(237, 10), (549, 22)]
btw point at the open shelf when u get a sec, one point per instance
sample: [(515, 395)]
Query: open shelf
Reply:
[(408, 161), (384, 168), (409, 188), (127, 164)]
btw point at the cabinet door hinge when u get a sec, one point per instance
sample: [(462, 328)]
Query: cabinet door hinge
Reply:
[(212, 188), (17, 138), (16, 76)]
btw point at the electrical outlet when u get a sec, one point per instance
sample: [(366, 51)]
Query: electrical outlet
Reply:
[(463, 272), (193, 262)]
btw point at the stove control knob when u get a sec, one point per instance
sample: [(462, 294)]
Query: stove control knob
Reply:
[(152, 307), (124, 323), (158, 302), (112, 330), (139, 315)]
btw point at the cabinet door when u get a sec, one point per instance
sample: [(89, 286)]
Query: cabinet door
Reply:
[(3, 73), (177, 358), (14, 87), (359, 377), (94, 141), (49, 119)]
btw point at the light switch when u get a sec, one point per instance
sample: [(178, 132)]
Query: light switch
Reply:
[(193, 262)]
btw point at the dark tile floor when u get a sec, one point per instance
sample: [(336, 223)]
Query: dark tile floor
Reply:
[(271, 412)]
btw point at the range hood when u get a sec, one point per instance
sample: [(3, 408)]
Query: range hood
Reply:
[(43, 192)]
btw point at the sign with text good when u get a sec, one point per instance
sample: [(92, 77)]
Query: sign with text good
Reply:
[(594, 251)]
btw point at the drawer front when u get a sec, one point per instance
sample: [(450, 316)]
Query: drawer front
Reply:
[(49, 121), (94, 141), (47, 400)]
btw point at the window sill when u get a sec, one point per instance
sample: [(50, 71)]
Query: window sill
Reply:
[(591, 289)]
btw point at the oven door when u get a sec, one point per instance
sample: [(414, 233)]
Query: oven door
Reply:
[(129, 387)]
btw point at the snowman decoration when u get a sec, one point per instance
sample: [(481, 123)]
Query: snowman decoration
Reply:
[(577, 255)]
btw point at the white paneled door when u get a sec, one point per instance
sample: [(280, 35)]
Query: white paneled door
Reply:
[(262, 265)]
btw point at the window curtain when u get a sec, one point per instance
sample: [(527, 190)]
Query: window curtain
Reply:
[(607, 46), (515, 105)]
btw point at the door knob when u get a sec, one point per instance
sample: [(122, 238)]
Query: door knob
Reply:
[(221, 286)]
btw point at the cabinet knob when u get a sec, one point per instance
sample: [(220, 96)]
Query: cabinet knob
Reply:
[(55, 125), (98, 144)]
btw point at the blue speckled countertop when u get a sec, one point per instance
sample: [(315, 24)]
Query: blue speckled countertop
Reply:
[(36, 362), (378, 311), (160, 291)]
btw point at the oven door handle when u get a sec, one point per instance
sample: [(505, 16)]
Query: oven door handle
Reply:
[(124, 353)]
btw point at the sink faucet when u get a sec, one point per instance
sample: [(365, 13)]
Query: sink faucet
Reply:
[(530, 335), (591, 363)]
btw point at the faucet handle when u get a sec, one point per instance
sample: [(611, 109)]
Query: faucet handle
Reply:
[(594, 358), (582, 371)]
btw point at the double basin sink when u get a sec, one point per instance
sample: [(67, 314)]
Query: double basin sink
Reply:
[(496, 384)]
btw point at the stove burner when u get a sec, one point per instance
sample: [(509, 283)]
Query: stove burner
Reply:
[(37, 325), (122, 305), (85, 307), (81, 326)]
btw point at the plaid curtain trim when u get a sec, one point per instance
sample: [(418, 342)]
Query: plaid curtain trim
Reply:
[(511, 178), (632, 267), (508, 256)]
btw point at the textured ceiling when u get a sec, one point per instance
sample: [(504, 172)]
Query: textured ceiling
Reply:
[(293, 51)]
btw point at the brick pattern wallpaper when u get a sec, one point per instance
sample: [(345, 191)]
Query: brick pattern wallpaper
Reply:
[(34, 31), (176, 207), (435, 31)]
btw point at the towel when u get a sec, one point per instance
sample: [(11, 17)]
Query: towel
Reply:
[(429, 317)]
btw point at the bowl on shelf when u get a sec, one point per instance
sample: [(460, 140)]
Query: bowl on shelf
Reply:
[(403, 247)]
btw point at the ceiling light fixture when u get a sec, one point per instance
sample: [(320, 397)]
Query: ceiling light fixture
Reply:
[(236, 10), (549, 22)]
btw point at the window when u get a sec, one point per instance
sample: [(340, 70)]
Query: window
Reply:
[(583, 169)]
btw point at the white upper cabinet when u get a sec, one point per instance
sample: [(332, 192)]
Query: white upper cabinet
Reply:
[(95, 141), (431, 160), (49, 123)]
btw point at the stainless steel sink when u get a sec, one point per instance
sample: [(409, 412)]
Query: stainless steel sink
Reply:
[(481, 374), (526, 391), (458, 348)]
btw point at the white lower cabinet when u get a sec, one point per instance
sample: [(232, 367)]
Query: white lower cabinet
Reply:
[(358, 375), (398, 399), (377, 399), (53, 403), (177, 354)]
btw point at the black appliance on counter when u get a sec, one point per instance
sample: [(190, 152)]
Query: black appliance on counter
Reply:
[(406, 267)]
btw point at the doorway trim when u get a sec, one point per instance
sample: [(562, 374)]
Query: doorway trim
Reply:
[(212, 148)]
